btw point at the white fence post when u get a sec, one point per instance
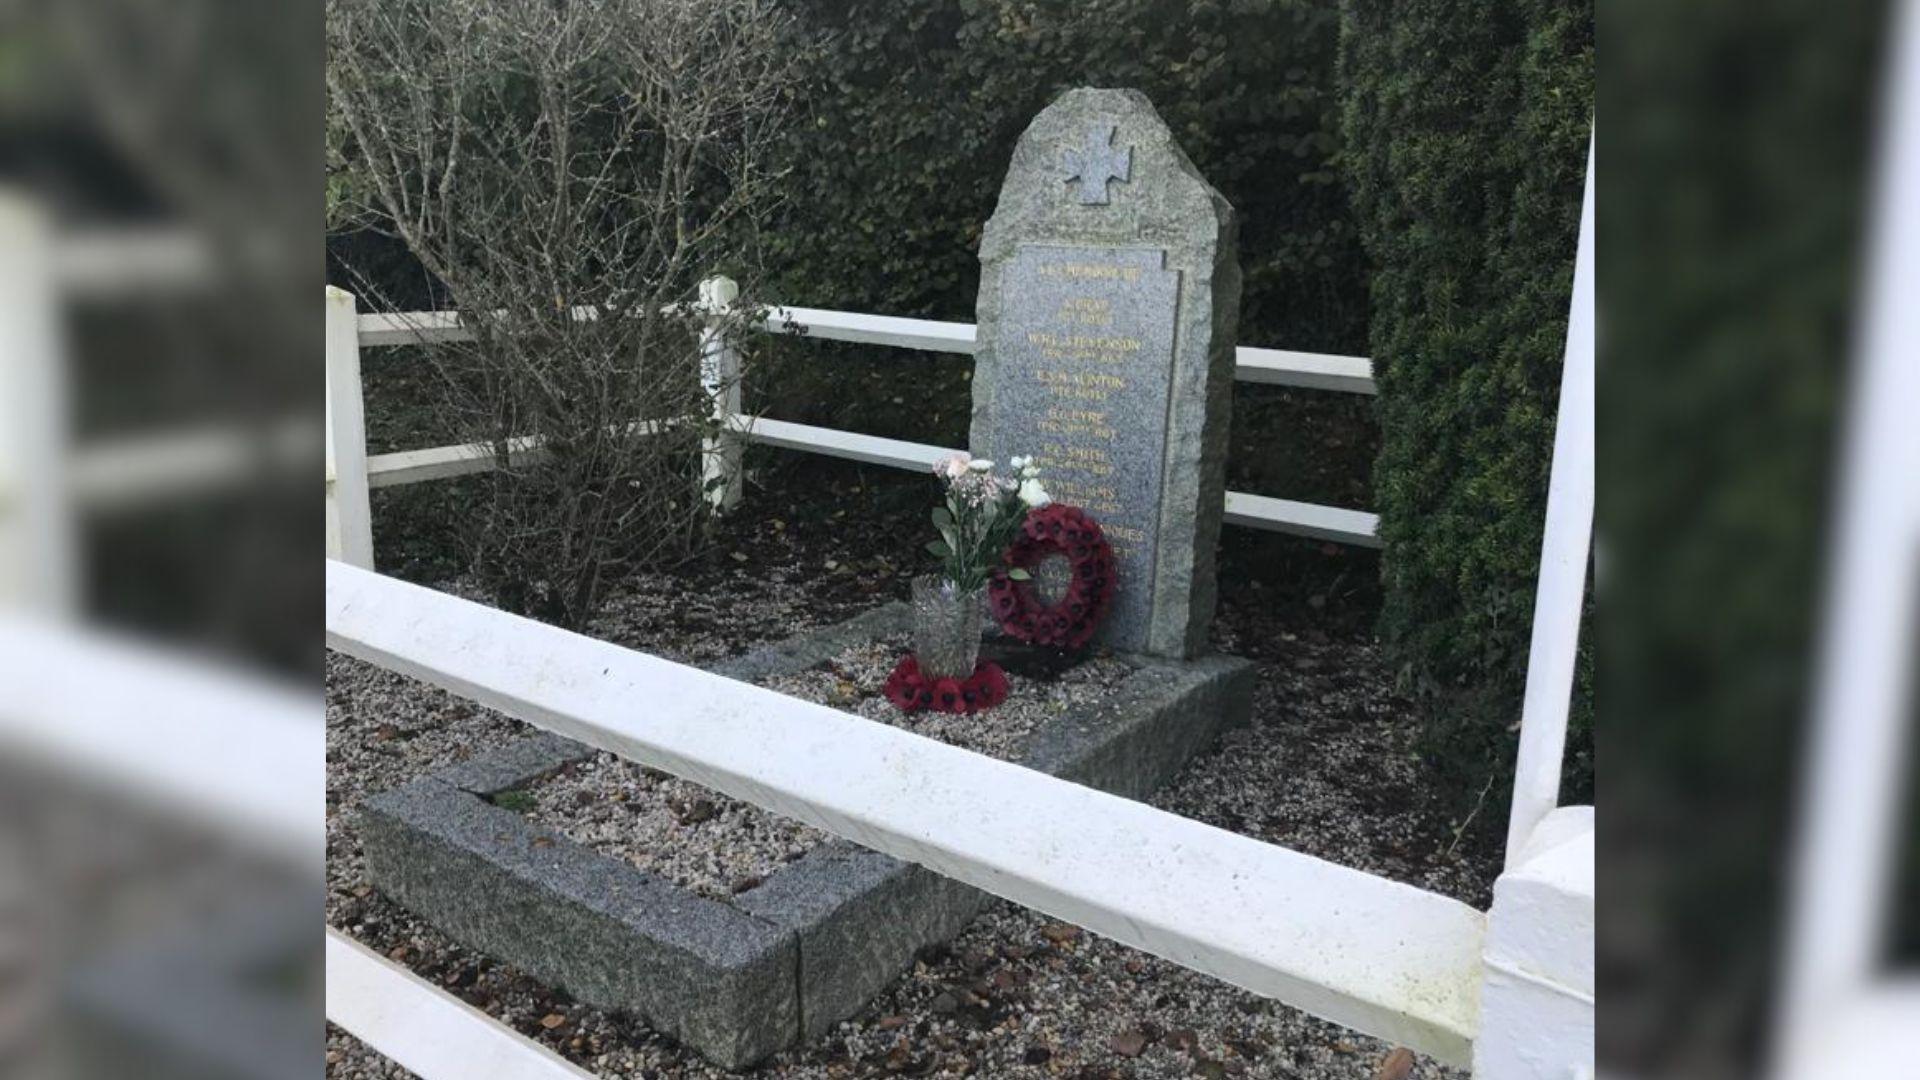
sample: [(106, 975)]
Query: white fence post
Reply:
[(720, 454), (37, 518), (1560, 594), (1536, 982), (349, 510)]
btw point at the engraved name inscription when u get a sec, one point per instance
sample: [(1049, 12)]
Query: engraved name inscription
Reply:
[(1084, 362)]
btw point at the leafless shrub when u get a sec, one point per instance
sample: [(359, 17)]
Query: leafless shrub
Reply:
[(547, 157)]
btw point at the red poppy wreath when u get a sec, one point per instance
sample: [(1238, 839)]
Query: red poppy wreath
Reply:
[(1055, 530), (910, 689)]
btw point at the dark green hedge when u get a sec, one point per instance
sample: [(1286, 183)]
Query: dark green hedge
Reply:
[(914, 106), (1466, 134), (903, 137)]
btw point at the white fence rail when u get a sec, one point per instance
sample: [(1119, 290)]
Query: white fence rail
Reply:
[(1411, 967), (425, 1029), (349, 509), (1279, 367), (1376, 955), (1510, 991), (351, 474)]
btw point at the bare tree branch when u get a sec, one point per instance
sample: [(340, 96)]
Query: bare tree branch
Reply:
[(539, 156)]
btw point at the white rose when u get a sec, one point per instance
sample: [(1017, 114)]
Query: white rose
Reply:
[(1018, 463), (980, 465), (1033, 494)]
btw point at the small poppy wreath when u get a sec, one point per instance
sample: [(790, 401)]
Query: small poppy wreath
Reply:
[(1056, 530), (910, 689)]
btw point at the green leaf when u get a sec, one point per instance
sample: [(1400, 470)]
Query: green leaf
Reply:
[(1018, 574), (939, 548), (942, 520)]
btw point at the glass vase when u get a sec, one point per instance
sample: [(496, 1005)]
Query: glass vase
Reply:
[(946, 627)]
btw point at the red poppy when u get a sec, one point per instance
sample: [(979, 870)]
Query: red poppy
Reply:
[(946, 694), (910, 691), (993, 684), (905, 686)]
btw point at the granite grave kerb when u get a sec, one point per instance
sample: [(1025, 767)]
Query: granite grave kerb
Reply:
[(782, 961)]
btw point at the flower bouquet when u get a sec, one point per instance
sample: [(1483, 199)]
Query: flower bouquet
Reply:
[(981, 515)]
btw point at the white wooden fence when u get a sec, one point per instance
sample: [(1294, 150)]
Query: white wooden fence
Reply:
[(351, 472), (1506, 989)]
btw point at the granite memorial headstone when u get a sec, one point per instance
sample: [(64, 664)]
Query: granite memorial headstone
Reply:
[(1109, 298)]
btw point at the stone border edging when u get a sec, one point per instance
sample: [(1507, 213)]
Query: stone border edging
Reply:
[(790, 958)]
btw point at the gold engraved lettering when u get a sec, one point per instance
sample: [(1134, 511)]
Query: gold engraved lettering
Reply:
[(1086, 311), (1101, 348), (1090, 272)]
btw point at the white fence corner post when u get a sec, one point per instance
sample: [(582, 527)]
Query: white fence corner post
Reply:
[(1560, 598), (720, 454), (349, 508), (1537, 982), (38, 525)]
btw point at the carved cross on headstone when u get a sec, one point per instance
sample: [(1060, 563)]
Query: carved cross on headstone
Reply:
[(1097, 163)]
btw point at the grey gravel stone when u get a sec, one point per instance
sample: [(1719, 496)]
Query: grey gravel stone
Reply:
[(1160, 717), (683, 832)]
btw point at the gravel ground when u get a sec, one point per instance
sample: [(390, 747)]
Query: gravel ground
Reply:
[(1325, 768), (718, 846)]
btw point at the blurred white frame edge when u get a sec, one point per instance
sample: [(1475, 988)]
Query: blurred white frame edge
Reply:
[(208, 744), (37, 532), (183, 737), (1841, 1012), (47, 481)]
